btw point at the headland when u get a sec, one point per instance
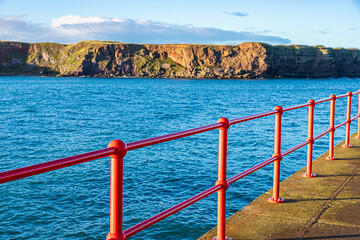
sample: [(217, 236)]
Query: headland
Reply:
[(249, 60)]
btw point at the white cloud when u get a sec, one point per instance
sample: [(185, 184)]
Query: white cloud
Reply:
[(14, 28), (73, 19), (73, 28)]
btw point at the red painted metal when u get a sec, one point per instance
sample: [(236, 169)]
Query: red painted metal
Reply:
[(296, 107), (354, 118), (332, 128), (157, 218), (348, 121), (172, 136), (311, 140), (277, 153), (252, 117), (221, 216), (340, 125), (53, 165), (358, 126), (343, 96), (250, 170), (293, 149), (324, 100), (322, 134), (116, 190), (118, 149)]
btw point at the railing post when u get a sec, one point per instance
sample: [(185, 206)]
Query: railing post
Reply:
[(116, 191), (221, 208), (358, 120), (332, 128), (277, 153), (310, 138), (348, 121)]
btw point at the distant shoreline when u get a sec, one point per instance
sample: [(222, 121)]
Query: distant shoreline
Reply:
[(250, 60), (135, 77)]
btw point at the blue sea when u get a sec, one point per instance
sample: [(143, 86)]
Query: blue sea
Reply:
[(45, 118)]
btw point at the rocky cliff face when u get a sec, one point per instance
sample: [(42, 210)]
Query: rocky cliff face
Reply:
[(111, 59), (313, 62)]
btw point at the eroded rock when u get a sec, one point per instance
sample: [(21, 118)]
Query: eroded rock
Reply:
[(247, 60)]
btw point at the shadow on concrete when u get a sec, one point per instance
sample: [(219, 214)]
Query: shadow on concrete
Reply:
[(356, 236), (348, 159), (338, 175), (355, 146), (318, 199)]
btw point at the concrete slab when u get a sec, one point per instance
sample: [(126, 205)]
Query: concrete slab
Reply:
[(295, 208), (321, 231), (325, 207), (257, 227), (342, 212), (351, 190)]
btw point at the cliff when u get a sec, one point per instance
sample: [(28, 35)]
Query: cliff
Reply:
[(111, 59)]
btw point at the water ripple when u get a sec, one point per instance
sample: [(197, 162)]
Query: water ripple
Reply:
[(47, 118)]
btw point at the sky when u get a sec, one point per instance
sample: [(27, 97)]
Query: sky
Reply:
[(332, 23)]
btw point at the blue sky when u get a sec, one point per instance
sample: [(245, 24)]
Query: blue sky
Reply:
[(310, 22)]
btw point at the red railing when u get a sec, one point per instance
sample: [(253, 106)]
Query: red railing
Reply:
[(118, 149)]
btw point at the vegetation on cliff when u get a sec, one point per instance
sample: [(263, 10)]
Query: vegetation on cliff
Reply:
[(112, 59)]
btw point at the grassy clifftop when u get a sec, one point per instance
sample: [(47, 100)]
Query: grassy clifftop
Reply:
[(111, 59)]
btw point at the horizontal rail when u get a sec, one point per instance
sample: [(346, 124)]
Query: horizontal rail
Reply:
[(172, 136), (323, 100), (293, 149), (342, 96), (221, 185), (322, 134), (250, 170), (157, 218), (251, 117), (53, 165), (357, 116), (340, 125), (296, 107), (186, 133)]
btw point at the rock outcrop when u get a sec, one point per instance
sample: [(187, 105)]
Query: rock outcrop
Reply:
[(113, 59)]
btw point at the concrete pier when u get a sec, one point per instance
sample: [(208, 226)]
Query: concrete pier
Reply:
[(324, 207)]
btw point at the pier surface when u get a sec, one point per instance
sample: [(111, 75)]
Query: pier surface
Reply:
[(324, 207)]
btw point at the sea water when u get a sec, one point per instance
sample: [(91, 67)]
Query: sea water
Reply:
[(44, 118)]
